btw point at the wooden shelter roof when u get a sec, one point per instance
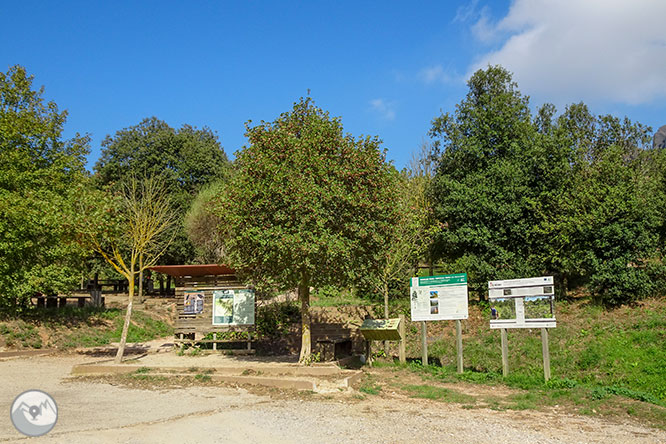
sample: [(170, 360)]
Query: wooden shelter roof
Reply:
[(193, 270)]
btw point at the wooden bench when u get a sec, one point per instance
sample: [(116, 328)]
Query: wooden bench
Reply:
[(181, 339), (61, 301)]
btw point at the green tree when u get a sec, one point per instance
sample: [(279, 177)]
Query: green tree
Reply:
[(202, 225), (39, 175), (307, 206), (483, 188), (185, 160), (577, 196), (609, 215)]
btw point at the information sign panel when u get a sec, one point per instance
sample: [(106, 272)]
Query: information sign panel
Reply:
[(381, 329), (522, 303), (233, 307), (193, 302), (439, 298)]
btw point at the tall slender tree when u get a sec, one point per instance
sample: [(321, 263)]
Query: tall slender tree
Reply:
[(131, 232)]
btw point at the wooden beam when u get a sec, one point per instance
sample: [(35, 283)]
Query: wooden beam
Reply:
[(505, 352)]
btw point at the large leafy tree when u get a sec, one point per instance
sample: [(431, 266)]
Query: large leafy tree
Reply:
[(483, 188), (185, 159), (39, 176), (307, 206), (575, 195), (607, 223)]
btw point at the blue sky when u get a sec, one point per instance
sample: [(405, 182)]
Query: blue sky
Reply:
[(386, 68)]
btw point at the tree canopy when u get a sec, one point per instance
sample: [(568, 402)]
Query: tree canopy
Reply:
[(40, 174), (576, 196), (185, 159), (308, 205)]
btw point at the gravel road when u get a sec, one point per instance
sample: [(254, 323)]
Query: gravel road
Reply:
[(104, 413)]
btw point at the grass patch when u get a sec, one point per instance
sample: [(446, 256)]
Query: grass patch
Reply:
[(438, 394), (605, 352), (369, 385), (71, 327), (333, 297)]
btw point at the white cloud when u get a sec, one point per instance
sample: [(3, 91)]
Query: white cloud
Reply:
[(434, 74), (385, 109), (572, 50)]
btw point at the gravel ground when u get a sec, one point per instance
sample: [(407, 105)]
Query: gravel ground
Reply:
[(104, 413)]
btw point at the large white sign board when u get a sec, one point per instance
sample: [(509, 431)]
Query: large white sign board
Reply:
[(439, 298), (522, 303)]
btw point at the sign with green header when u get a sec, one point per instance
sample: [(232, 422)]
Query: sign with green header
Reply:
[(448, 279), (439, 298)]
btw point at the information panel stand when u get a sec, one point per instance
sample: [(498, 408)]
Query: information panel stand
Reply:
[(440, 298), (384, 330)]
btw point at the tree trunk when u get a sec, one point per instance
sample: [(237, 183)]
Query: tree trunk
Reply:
[(128, 315), (306, 338), (141, 301)]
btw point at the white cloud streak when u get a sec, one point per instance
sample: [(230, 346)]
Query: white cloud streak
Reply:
[(436, 74), (572, 50), (385, 109)]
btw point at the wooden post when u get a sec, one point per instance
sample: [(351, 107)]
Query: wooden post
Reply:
[(459, 346), (424, 343), (505, 353), (214, 339), (546, 353), (401, 347)]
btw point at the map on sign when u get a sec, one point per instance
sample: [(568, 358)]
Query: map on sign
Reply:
[(381, 329), (439, 298), (233, 307), (522, 303)]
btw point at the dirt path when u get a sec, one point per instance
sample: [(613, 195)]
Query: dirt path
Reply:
[(92, 412)]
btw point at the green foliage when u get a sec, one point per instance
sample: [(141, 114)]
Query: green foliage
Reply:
[(71, 327), (185, 160), (202, 225), (308, 204), (483, 187), (577, 196), (20, 334), (275, 319), (330, 296), (40, 174), (610, 350), (370, 386)]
